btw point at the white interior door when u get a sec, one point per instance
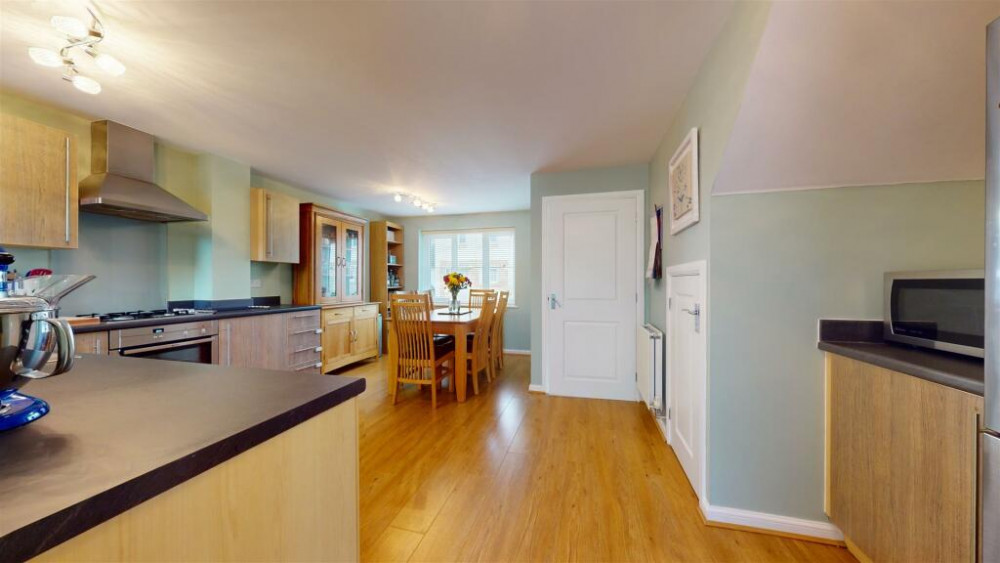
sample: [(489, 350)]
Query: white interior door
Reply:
[(686, 371), (590, 278)]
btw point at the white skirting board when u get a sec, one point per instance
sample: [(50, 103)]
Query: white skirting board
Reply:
[(537, 388), (517, 352), (774, 522)]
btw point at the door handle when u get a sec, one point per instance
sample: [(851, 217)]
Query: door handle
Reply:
[(553, 302), (696, 313)]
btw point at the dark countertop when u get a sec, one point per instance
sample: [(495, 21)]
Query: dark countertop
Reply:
[(222, 314), (863, 342), (123, 430)]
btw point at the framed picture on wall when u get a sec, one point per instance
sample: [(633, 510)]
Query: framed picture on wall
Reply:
[(683, 183)]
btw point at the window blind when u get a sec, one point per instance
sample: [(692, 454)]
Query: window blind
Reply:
[(486, 256)]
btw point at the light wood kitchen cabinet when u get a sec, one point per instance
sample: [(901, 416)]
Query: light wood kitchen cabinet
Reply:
[(39, 203), (349, 335), (274, 227), (237, 342), (91, 343), (900, 463), (281, 341), (331, 271)]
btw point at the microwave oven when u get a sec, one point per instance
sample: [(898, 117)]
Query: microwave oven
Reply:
[(942, 310)]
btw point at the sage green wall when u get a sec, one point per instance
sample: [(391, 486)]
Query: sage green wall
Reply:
[(592, 180), (780, 262), (517, 328), (269, 278), (711, 105)]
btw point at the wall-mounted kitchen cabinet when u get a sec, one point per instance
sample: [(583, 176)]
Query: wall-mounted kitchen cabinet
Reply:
[(274, 227), (333, 248), (39, 203)]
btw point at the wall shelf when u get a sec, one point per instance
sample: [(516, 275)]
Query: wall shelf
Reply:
[(386, 240)]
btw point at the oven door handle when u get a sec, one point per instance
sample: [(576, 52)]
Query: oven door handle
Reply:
[(168, 346)]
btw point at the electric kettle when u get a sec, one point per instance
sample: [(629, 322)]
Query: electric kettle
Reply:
[(30, 334)]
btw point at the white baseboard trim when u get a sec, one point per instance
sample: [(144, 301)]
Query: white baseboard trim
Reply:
[(536, 388), (517, 352), (772, 522)]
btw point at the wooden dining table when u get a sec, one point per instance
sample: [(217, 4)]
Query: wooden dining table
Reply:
[(458, 326)]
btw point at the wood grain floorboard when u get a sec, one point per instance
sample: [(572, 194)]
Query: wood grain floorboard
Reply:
[(517, 476)]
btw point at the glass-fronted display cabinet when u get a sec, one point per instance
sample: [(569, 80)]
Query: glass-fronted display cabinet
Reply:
[(332, 269)]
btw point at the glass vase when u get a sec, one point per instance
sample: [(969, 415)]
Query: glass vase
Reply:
[(453, 305)]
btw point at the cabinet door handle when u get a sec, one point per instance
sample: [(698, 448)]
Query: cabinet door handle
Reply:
[(67, 190), (269, 220), (229, 344)]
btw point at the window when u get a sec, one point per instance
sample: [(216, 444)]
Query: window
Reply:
[(486, 256)]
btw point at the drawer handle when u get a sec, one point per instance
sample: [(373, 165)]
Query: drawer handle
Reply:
[(309, 331), (316, 349), (307, 366)]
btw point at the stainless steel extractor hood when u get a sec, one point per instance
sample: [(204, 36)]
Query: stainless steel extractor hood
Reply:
[(121, 180)]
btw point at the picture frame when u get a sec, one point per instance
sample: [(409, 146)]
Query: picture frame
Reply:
[(682, 184)]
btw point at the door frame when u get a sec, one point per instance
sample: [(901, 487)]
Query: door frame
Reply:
[(699, 268), (640, 306)]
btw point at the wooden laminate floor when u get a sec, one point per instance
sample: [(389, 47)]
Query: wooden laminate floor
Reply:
[(516, 476)]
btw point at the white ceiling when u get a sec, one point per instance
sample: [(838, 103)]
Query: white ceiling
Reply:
[(456, 102), (862, 93)]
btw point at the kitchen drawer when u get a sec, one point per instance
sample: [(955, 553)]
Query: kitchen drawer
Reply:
[(339, 313), (307, 367), (365, 311), (302, 356), (300, 342), (303, 320)]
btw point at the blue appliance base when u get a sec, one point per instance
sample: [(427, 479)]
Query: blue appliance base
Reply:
[(16, 409)]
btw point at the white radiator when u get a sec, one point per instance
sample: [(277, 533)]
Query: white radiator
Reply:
[(649, 377)]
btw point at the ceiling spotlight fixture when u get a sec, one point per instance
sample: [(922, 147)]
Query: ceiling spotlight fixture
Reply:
[(79, 36), (417, 202)]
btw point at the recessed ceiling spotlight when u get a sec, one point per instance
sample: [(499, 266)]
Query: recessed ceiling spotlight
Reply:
[(417, 202), (397, 198), (430, 208)]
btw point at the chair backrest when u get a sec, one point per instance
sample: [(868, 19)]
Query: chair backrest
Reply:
[(414, 336), (476, 297), (485, 324), (497, 329)]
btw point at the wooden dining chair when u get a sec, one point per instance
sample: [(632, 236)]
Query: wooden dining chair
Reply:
[(496, 334), (419, 359), (479, 342), (476, 297)]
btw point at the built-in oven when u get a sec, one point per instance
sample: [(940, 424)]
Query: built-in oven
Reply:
[(196, 342)]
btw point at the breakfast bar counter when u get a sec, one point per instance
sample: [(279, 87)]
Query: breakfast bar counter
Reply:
[(146, 459)]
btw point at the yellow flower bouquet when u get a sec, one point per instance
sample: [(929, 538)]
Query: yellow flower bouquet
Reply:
[(456, 282)]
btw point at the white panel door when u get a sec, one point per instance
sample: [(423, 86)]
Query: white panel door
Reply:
[(685, 369), (590, 274)]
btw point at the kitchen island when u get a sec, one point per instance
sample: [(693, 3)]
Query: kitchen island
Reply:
[(144, 459)]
